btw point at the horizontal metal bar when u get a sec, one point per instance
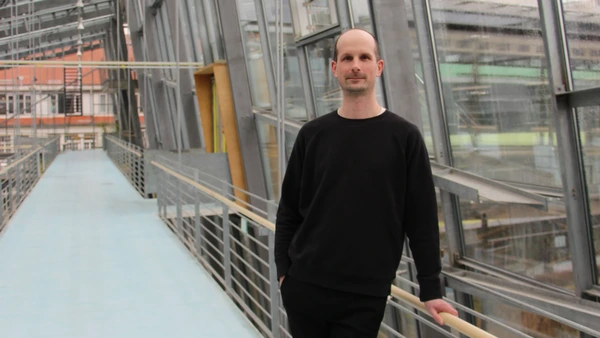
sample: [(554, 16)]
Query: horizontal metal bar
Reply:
[(252, 315), (100, 64), (422, 319), (468, 310), (250, 297), (260, 220), (581, 98), (249, 266), (471, 186), (392, 331), (99, 20), (450, 320), (467, 286), (272, 120), (251, 282), (317, 36)]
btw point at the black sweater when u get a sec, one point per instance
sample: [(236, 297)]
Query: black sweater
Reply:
[(352, 190)]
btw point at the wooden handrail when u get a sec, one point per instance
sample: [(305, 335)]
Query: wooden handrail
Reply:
[(449, 320)]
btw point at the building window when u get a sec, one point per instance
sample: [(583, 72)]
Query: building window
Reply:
[(103, 103), (3, 104), (53, 104)]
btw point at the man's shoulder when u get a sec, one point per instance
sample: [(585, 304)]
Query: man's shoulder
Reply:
[(318, 124), (400, 122)]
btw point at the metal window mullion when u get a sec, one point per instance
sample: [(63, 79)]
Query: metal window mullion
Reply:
[(266, 44), (343, 14), (437, 115), (569, 150)]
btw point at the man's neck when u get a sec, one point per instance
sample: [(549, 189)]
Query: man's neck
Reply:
[(359, 107)]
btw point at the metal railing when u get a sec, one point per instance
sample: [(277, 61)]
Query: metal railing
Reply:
[(129, 158), (236, 246), (21, 174)]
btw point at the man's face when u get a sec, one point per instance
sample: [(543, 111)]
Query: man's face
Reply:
[(357, 67)]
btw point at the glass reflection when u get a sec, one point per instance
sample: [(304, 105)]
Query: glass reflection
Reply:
[(520, 320), (313, 16), (295, 106), (496, 96), (267, 137), (589, 124), (582, 21), (361, 14), (496, 92), (326, 89), (257, 75), (521, 239)]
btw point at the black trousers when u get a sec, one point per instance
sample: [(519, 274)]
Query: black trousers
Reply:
[(315, 312)]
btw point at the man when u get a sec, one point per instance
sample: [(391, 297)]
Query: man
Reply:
[(358, 181)]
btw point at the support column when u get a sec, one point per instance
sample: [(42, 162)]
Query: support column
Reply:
[(146, 92), (569, 150), (391, 29), (163, 117), (246, 126), (189, 105)]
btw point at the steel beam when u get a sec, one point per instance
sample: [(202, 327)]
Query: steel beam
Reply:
[(55, 32), (238, 76), (189, 104), (163, 118), (50, 18), (44, 47), (569, 148), (579, 98), (391, 29), (22, 7), (146, 90)]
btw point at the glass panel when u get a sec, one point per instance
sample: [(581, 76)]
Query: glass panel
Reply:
[(267, 136), (582, 21), (251, 38), (520, 320), (295, 106), (290, 138), (362, 15), (521, 239), (313, 16), (496, 96), (589, 124), (414, 44), (326, 89)]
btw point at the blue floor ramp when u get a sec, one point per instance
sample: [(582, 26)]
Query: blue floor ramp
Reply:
[(87, 256)]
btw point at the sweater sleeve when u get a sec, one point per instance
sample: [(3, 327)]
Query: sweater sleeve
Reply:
[(421, 220), (288, 214)]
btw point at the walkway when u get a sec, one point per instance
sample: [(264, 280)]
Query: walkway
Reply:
[(87, 256)]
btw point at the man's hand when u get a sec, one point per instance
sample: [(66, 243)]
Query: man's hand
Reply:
[(435, 306), (281, 280)]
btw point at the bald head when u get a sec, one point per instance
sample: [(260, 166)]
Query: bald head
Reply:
[(353, 34)]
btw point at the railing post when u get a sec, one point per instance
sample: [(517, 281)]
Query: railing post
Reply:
[(273, 280), (11, 190), (226, 242), (179, 207), (44, 166), (197, 225)]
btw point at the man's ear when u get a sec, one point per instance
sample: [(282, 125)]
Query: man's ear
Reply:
[(380, 65), (333, 67)]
